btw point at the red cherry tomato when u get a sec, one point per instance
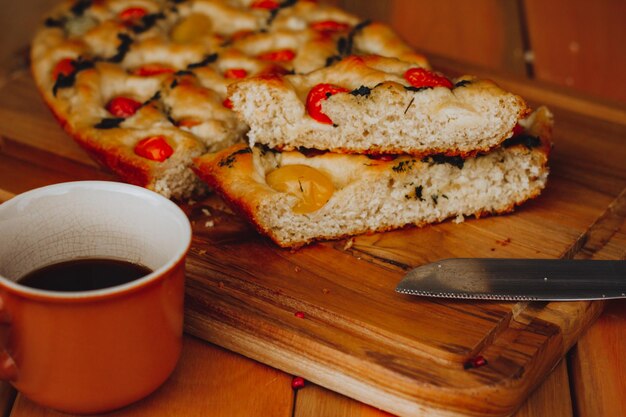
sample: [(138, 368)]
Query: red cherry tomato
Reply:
[(420, 77), (265, 4), (329, 26), (518, 130), (315, 97), (123, 106), (153, 69), (235, 73), (132, 15), (227, 103), (385, 157), (279, 55), (64, 66), (154, 148)]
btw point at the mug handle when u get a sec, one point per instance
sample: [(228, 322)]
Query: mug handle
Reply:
[(8, 367)]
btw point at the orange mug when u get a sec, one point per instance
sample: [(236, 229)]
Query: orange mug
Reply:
[(99, 350)]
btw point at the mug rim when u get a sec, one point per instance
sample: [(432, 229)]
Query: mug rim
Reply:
[(113, 186)]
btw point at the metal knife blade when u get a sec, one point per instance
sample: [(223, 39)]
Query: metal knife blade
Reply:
[(518, 279)]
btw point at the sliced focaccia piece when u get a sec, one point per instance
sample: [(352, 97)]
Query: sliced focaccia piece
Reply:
[(295, 198), (374, 104)]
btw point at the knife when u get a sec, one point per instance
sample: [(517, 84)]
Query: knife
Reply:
[(518, 279)]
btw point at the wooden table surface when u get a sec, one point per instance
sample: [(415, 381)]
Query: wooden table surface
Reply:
[(211, 381)]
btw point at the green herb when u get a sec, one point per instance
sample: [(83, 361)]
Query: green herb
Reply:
[(439, 159), (403, 166), (209, 59), (416, 194), (416, 89), (462, 83), (230, 159), (410, 104)]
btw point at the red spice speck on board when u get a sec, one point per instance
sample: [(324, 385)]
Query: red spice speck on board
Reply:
[(297, 382), (475, 362), (299, 314)]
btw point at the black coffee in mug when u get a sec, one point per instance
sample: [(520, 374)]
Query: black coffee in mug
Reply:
[(84, 275)]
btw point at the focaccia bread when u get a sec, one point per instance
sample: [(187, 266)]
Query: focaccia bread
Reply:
[(296, 198), (375, 104), (142, 84)]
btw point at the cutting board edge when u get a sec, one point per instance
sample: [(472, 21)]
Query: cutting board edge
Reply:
[(289, 359)]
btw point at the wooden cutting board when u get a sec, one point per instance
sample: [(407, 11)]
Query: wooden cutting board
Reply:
[(329, 313)]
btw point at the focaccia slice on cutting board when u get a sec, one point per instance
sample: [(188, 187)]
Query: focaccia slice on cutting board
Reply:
[(296, 198)]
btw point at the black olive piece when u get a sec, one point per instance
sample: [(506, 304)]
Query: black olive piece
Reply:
[(122, 49), (209, 59), (528, 141), (147, 21), (361, 91), (462, 83), (54, 23), (78, 9), (66, 81), (109, 123)]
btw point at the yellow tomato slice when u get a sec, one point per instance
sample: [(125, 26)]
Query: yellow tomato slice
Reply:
[(191, 28), (312, 187)]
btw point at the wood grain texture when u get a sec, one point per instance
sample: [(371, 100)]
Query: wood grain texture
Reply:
[(540, 92), (597, 363), (208, 381), (550, 399), (579, 45), (357, 336), (598, 366), (486, 33), (7, 396)]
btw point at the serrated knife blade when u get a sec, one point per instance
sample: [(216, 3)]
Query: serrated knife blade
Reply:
[(518, 279)]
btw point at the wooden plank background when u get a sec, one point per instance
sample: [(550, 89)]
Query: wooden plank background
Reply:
[(575, 44)]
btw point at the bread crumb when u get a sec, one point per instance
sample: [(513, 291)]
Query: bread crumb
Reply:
[(209, 223), (191, 202), (297, 269), (348, 244), (202, 252), (206, 211), (325, 290)]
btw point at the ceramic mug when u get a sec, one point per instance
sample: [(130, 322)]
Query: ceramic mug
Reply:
[(99, 350)]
